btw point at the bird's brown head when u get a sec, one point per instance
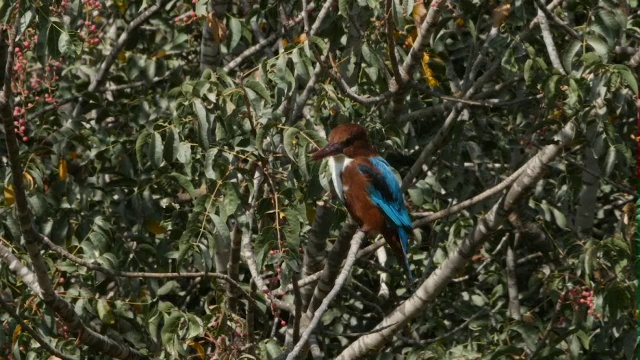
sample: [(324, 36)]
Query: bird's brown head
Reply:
[(348, 139)]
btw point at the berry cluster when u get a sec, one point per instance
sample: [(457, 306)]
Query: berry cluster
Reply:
[(31, 84), (580, 296), (90, 32), (187, 18)]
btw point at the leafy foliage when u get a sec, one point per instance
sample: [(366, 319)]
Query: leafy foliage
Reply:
[(141, 156)]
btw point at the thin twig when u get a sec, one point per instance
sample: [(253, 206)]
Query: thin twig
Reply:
[(247, 247), (431, 147), (556, 20), (134, 274), (391, 43), (346, 270), (472, 201)]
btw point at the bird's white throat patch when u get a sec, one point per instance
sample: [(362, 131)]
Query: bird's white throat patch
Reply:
[(337, 164)]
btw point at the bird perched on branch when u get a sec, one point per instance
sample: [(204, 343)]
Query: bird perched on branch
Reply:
[(368, 186)]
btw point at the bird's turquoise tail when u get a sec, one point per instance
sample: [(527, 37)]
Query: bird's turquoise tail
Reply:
[(404, 241)]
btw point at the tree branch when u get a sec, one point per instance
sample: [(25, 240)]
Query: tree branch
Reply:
[(346, 270), (438, 280), (548, 38)]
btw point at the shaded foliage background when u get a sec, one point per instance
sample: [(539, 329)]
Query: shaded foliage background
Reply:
[(170, 139)]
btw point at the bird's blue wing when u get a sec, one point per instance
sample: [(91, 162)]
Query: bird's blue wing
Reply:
[(384, 191)]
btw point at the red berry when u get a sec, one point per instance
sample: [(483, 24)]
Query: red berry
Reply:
[(61, 281), (266, 291), (25, 138), (283, 323), (26, 44)]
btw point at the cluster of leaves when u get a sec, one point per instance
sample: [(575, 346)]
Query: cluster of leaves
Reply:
[(151, 168)]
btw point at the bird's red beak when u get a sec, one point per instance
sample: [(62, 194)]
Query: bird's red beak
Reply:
[(329, 150)]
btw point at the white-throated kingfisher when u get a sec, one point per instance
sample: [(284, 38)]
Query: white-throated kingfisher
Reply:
[(367, 185)]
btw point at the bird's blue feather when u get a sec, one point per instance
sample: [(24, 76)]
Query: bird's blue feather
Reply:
[(384, 191)]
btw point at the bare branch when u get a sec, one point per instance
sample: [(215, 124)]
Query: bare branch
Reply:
[(548, 38), (332, 266), (346, 270), (320, 18), (421, 42), (315, 250), (512, 284), (431, 148), (547, 13)]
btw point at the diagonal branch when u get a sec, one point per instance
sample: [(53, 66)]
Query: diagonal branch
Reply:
[(421, 42), (346, 270), (439, 279), (548, 39)]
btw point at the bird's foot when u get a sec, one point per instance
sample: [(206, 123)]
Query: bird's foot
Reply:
[(364, 229)]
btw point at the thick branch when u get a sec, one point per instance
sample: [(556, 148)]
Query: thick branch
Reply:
[(346, 270)]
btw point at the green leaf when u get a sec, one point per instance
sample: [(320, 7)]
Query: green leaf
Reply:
[(203, 124), (569, 53), (168, 287), (561, 220), (221, 227), (140, 143), (171, 327), (627, 75), (600, 46), (343, 7), (185, 182), (610, 161), (172, 145), (63, 42), (231, 199), (235, 30), (528, 74), (104, 311), (195, 326), (319, 43), (289, 141), (259, 89), (184, 152), (155, 150), (210, 157)]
